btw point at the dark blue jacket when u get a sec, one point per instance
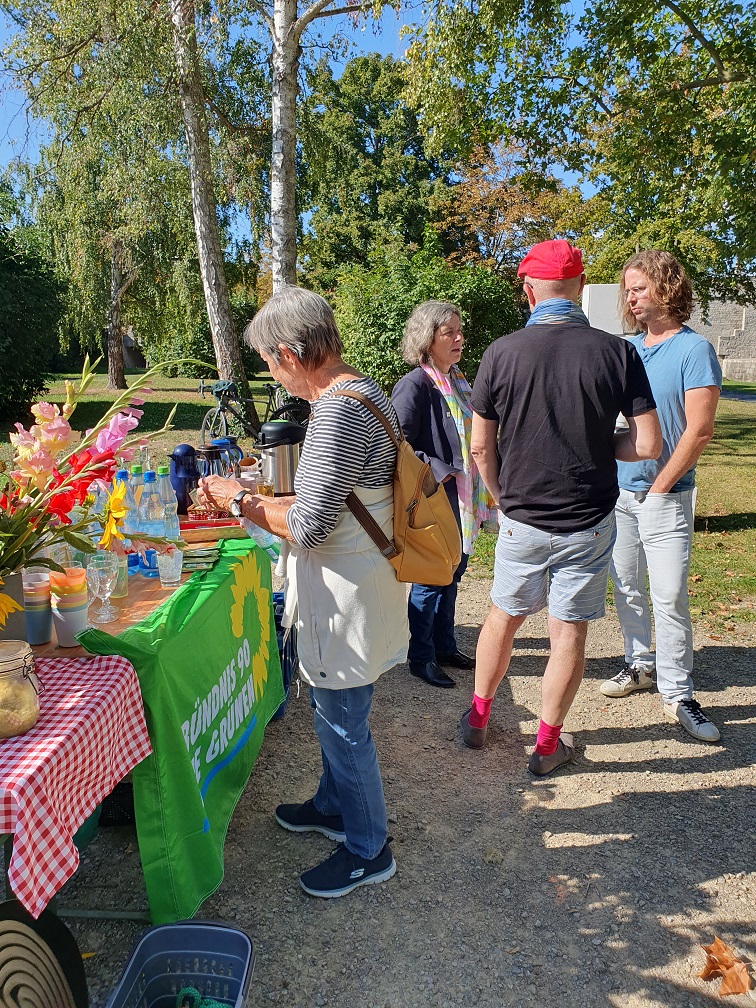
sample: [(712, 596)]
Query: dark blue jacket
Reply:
[(427, 424)]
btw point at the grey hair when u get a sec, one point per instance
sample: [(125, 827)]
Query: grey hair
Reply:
[(421, 327), (300, 320)]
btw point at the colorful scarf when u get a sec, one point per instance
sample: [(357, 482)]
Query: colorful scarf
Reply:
[(557, 310), (475, 503)]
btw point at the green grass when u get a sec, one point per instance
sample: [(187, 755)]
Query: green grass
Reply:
[(747, 388), (722, 583)]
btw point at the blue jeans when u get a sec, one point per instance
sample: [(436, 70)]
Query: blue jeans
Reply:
[(431, 618), (654, 538), (351, 783)]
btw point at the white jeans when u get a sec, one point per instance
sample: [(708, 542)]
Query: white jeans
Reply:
[(655, 536)]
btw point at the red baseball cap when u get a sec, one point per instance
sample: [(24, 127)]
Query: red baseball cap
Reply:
[(552, 260)]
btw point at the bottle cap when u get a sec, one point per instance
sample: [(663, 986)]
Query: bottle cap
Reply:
[(163, 470), (150, 476), (122, 474), (136, 470)]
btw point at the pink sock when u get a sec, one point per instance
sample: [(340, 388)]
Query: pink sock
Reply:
[(480, 712), (548, 736)]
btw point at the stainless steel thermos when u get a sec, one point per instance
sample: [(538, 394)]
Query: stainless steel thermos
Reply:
[(280, 444)]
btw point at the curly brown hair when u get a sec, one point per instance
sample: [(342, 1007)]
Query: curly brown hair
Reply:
[(669, 285)]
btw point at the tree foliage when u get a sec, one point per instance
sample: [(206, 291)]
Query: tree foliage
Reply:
[(500, 207), (374, 302), (30, 306), (652, 103), (365, 175)]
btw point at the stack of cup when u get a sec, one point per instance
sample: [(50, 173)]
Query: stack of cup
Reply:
[(37, 609), (68, 592)]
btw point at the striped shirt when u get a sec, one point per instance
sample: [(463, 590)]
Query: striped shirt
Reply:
[(346, 447)]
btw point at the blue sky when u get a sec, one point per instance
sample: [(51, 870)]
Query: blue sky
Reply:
[(21, 136)]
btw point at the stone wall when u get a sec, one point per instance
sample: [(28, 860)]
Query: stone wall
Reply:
[(731, 328)]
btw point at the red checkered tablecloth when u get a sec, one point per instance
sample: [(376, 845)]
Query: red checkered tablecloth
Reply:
[(91, 732)]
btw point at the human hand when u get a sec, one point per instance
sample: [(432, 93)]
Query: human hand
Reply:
[(217, 492)]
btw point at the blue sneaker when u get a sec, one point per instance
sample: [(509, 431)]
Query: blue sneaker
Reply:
[(343, 871), (305, 818)]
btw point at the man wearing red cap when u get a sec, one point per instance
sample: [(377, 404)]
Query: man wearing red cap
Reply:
[(545, 402)]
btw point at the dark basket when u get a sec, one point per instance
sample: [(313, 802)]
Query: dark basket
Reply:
[(213, 958), (118, 807)]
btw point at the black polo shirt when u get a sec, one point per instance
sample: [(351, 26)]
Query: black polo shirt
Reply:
[(555, 390)]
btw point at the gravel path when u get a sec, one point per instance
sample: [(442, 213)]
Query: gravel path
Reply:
[(594, 888)]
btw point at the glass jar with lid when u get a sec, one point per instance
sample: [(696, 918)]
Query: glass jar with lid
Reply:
[(19, 689)]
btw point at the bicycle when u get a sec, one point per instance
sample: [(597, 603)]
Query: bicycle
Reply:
[(279, 405)]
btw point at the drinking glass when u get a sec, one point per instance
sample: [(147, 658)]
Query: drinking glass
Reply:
[(169, 567), (102, 574)]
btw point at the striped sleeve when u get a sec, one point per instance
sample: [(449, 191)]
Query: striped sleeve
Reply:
[(345, 447)]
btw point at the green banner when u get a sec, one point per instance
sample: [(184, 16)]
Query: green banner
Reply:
[(210, 676)]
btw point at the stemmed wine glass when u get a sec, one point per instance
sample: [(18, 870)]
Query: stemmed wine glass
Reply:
[(102, 574)]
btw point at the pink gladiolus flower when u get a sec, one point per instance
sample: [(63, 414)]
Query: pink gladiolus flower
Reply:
[(137, 402), (24, 443), (112, 437), (44, 411), (36, 468), (130, 411), (56, 435), (127, 454)]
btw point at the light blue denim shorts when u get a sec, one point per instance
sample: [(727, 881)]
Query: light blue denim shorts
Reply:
[(568, 571)]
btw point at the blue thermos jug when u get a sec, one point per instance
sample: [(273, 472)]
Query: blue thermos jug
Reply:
[(184, 476)]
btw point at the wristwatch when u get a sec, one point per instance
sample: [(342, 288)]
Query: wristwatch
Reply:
[(234, 507)]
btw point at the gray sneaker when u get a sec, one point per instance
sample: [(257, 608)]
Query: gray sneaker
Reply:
[(542, 766), (693, 720), (629, 679)]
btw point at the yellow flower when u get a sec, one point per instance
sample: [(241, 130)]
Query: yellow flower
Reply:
[(115, 512), (7, 606)]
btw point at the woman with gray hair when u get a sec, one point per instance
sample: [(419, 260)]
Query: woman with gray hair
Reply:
[(433, 406), (341, 594)]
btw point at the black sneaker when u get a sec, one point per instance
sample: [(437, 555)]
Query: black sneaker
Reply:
[(343, 871), (305, 818)]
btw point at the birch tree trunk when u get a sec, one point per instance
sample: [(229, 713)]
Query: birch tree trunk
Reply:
[(118, 285), (283, 214), (210, 252)]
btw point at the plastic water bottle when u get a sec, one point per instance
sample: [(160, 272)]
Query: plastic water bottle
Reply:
[(150, 508), (265, 540), (137, 483), (130, 518), (170, 503)]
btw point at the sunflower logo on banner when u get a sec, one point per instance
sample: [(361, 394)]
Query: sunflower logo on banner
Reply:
[(247, 580)]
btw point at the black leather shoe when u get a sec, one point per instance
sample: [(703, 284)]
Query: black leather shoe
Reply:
[(457, 660), (430, 672)]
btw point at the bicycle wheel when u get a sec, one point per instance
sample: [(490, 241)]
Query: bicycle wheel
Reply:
[(214, 424), (296, 410)]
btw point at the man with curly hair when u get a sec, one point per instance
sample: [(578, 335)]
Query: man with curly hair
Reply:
[(656, 504)]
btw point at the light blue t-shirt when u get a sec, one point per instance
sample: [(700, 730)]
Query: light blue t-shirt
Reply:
[(684, 361)]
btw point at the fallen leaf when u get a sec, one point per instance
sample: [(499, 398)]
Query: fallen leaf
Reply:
[(714, 636), (721, 961), (736, 980), (695, 577)]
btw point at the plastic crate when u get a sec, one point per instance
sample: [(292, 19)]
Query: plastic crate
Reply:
[(213, 958), (287, 650)]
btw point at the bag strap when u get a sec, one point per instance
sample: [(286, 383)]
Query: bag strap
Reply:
[(371, 526), (375, 410), (353, 502)]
